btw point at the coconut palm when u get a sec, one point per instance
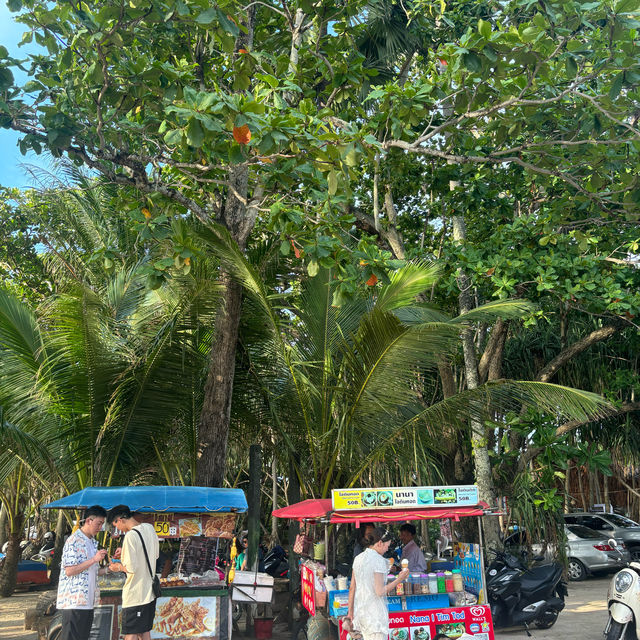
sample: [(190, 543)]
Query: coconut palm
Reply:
[(338, 388)]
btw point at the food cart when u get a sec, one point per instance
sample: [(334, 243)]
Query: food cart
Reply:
[(192, 604), (422, 615)]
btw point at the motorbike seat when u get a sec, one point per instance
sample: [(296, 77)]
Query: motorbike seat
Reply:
[(533, 579)]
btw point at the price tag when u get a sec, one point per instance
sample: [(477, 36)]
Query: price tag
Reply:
[(162, 528)]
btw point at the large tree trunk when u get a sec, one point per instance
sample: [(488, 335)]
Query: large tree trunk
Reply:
[(4, 534), (218, 391), (9, 573), (481, 460)]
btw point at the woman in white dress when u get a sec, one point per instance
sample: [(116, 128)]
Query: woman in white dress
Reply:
[(368, 611)]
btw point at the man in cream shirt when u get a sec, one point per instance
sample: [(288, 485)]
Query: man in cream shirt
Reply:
[(138, 600)]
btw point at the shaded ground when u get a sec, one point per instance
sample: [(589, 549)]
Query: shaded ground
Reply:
[(12, 615), (584, 617)]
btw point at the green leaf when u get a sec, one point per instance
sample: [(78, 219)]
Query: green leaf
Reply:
[(66, 59), (484, 29), (227, 24), (285, 247), (332, 181), (173, 137), (208, 16), (14, 5), (312, 268), (571, 67), (195, 134), (6, 78), (472, 61), (616, 87)]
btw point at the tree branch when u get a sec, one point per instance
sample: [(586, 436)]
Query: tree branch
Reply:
[(549, 370)]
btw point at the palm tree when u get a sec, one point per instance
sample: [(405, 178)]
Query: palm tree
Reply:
[(338, 388)]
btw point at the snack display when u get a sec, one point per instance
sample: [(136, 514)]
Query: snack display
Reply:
[(179, 617), (190, 527)]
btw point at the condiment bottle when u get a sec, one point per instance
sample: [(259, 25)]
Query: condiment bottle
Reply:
[(457, 580), (400, 589), (433, 583), (424, 583), (414, 580), (441, 583), (448, 581)]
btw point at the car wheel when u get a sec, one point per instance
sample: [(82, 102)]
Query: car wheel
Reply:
[(576, 570)]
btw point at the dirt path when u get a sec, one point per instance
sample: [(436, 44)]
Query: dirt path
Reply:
[(12, 615)]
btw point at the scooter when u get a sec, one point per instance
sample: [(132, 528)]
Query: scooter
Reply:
[(519, 596), (623, 601)]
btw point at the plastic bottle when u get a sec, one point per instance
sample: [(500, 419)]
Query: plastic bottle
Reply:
[(448, 581), (433, 583), (442, 588), (457, 580), (414, 580), (424, 583)]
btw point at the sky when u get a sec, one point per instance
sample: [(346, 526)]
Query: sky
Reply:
[(12, 174)]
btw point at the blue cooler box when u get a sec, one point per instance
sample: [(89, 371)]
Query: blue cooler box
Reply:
[(338, 603)]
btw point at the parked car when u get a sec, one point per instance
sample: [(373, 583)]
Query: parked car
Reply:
[(587, 551), (611, 525)]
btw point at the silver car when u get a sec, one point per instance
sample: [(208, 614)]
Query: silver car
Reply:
[(590, 551), (587, 551)]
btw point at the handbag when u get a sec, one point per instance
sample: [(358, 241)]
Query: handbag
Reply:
[(303, 544), (155, 582)]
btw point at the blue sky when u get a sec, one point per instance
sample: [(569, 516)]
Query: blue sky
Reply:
[(11, 173)]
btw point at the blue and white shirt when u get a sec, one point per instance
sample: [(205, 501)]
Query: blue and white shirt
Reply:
[(79, 591)]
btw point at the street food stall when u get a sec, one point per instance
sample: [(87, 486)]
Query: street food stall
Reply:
[(197, 522), (449, 600)]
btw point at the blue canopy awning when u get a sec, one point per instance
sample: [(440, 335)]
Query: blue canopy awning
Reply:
[(157, 499)]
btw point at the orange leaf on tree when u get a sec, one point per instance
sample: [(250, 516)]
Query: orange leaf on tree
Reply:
[(242, 51), (296, 251), (242, 134), (372, 280), (146, 213)]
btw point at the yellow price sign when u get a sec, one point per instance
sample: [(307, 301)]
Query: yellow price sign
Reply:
[(164, 529)]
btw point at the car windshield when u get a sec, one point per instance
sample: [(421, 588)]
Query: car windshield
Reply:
[(583, 532), (621, 521)]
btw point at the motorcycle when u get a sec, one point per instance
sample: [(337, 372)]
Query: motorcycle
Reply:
[(623, 601), (276, 562), (519, 596)]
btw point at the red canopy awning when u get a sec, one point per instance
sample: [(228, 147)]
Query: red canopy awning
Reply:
[(317, 509), (312, 509), (394, 515)]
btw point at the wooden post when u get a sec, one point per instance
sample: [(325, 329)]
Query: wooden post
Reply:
[(293, 496), (253, 500), (255, 476)]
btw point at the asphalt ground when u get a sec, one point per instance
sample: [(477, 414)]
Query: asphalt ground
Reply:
[(584, 616)]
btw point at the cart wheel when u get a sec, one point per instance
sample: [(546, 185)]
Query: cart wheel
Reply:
[(299, 630), (55, 628), (319, 628)]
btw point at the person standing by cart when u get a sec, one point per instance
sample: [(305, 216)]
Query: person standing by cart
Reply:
[(410, 550), (368, 611), (79, 569), (139, 553)]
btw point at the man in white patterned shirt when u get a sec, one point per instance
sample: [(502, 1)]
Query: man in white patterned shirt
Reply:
[(79, 569)]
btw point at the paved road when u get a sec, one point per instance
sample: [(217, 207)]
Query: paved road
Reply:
[(584, 617)]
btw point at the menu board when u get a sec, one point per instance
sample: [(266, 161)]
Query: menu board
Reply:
[(427, 625), (101, 629), (404, 497), (182, 525), (308, 588)]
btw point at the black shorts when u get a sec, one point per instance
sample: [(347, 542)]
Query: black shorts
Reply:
[(138, 619), (76, 624)]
